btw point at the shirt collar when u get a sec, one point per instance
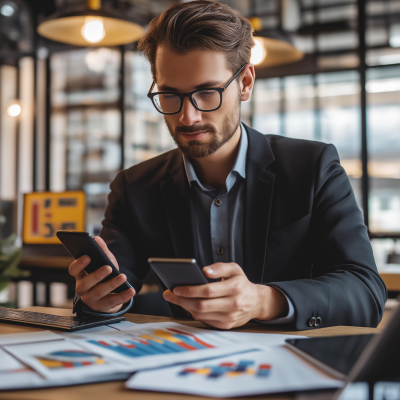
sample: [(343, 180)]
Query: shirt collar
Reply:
[(239, 166)]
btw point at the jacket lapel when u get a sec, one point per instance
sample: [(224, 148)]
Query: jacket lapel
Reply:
[(175, 191), (258, 200)]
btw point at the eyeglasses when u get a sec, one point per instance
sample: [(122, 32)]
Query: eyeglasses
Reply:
[(206, 99)]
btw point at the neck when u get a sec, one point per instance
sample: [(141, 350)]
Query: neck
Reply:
[(215, 168)]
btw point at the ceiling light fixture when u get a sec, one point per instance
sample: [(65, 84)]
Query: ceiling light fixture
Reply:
[(91, 27), (14, 110), (7, 10), (272, 47), (258, 52)]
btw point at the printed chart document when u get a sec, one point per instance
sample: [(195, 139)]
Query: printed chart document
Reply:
[(160, 344), (263, 339), (90, 332), (30, 337), (62, 359), (254, 372), (14, 374)]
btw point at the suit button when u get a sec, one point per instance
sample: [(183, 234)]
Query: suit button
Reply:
[(217, 202), (318, 321), (311, 321), (220, 251)]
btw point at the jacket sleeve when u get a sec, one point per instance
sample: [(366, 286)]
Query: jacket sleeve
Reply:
[(123, 240), (345, 287)]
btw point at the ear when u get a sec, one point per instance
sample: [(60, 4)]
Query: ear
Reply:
[(247, 78)]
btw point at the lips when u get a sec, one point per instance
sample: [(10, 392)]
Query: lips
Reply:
[(193, 136)]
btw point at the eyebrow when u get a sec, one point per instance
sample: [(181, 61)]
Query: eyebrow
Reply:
[(208, 84)]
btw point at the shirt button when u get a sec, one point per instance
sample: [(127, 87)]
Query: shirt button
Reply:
[(220, 250), (217, 202)]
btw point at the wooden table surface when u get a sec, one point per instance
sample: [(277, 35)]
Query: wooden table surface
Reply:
[(392, 280), (117, 390)]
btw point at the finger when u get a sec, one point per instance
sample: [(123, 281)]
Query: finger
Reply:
[(202, 306), (212, 324), (102, 289), (218, 316), (193, 291), (223, 270), (76, 268), (219, 324), (224, 288), (91, 280), (112, 300), (104, 247)]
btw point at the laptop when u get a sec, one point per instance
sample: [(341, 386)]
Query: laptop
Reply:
[(360, 358)]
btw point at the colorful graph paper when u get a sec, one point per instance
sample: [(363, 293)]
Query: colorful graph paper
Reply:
[(230, 370), (158, 342), (69, 359)]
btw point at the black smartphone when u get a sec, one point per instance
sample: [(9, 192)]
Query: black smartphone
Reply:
[(81, 244), (175, 272)]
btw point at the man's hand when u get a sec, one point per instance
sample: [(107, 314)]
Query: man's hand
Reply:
[(97, 296), (231, 302)]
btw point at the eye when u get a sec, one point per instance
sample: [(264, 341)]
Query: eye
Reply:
[(169, 95), (206, 93)]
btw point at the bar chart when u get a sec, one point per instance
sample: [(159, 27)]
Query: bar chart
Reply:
[(156, 342)]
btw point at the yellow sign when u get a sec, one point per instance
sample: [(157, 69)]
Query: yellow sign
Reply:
[(46, 212)]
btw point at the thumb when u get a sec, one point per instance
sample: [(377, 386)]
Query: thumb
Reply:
[(223, 270), (103, 246)]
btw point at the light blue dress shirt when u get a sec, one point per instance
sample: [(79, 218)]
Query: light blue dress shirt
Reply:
[(219, 217)]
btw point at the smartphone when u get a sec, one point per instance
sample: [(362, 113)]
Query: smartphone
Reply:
[(175, 272), (81, 244)]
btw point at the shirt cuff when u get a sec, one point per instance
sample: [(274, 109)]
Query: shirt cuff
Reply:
[(282, 320), (82, 310)]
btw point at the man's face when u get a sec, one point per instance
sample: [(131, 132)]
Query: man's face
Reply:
[(198, 134)]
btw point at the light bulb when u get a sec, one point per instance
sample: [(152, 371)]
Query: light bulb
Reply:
[(258, 52), (7, 10), (93, 30), (14, 110)]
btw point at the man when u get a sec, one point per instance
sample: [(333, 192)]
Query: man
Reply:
[(273, 220)]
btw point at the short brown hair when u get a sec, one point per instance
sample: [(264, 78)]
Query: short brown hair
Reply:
[(200, 24)]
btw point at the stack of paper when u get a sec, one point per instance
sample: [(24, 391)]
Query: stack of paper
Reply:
[(172, 357), (250, 373)]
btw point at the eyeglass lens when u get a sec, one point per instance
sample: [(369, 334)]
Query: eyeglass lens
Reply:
[(204, 100)]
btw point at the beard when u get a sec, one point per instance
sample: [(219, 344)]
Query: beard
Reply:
[(198, 149)]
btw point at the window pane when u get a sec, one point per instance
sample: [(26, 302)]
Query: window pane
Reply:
[(386, 253), (339, 95), (85, 125), (383, 96), (146, 134), (299, 107), (267, 104)]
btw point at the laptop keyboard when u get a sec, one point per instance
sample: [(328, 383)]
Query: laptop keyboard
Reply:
[(43, 320)]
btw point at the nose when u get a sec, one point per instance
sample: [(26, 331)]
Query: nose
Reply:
[(189, 115)]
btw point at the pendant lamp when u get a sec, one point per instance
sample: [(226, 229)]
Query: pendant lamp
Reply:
[(272, 47), (90, 27)]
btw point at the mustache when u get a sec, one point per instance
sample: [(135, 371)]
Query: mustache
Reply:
[(194, 129)]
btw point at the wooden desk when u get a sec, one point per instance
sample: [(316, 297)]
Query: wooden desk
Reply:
[(117, 390), (392, 281)]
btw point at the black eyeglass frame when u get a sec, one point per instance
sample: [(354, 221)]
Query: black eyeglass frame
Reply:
[(190, 94)]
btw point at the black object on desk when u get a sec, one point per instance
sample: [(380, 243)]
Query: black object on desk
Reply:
[(336, 355), (63, 323)]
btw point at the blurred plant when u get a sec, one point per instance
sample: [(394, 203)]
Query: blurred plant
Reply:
[(10, 256)]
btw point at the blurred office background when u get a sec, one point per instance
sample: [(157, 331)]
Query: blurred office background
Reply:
[(84, 113)]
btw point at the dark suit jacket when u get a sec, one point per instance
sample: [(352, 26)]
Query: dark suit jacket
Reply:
[(303, 231)]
